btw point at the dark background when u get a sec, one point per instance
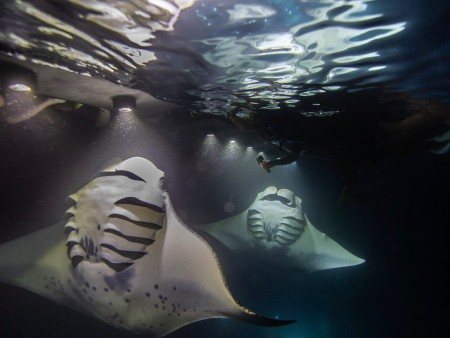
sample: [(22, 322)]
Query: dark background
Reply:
[(398, 222)]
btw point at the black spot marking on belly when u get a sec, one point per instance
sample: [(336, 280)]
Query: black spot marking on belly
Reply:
[(156, 286)]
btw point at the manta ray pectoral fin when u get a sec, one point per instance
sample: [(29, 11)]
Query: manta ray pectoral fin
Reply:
[(126, 258), (188, 259), (328, 253), (22, 257)]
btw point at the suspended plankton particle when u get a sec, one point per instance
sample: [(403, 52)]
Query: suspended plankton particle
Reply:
[(276, 230), (125, 257)]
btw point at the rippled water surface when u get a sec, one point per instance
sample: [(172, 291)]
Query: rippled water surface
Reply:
[(218, 55)]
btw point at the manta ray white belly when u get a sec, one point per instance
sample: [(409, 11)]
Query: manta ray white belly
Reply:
[(276, 231), (125, 258)]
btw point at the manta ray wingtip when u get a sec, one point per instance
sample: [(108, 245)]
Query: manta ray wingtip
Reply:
[(266, 321), (256, 319)]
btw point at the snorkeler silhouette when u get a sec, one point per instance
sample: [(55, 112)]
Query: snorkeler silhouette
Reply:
[(353, 138)]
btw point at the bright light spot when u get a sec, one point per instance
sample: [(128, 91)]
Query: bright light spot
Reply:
[(243, 12), (210, 135), (125, 110), (20, 87), (232, 141), (249, 148), (372, 69)]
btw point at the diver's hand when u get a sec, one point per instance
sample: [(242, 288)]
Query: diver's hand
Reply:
[(266, 165)]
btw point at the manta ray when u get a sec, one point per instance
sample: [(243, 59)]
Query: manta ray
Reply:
[(125, 258), (275, 230)]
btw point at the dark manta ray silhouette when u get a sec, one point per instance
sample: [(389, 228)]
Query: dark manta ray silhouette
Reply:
[(126, 258)]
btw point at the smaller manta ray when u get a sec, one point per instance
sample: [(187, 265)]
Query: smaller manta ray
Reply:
[(275, 230), (125, 257)]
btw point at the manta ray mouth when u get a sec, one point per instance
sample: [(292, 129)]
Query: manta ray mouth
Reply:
[(282, 199)]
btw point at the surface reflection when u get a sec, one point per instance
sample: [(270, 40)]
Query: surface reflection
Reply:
[(212, 55)]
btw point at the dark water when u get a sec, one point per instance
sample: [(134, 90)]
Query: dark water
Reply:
[(317, 59)]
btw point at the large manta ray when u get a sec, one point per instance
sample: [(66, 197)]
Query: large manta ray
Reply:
[(275, 230), (125, 257)]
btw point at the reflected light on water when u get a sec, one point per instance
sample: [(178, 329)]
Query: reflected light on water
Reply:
[(228, 54)]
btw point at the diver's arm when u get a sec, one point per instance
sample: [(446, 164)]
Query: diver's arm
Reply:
[(288, 159)]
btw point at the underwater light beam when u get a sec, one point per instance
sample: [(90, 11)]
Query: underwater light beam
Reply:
[(232, 150), (209, 145), (20, 103)]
